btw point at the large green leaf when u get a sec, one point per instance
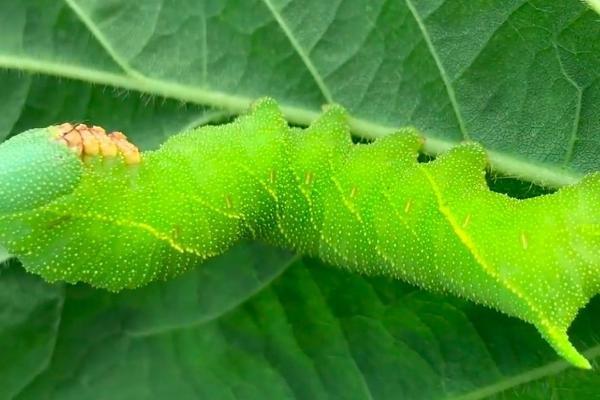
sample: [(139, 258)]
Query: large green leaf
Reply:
[(519, 76), (315, 332), (30, 312)]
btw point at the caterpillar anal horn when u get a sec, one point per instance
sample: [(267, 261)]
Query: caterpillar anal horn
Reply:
[(94, 141)]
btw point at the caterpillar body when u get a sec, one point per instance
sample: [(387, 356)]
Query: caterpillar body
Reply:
[(79, 205)]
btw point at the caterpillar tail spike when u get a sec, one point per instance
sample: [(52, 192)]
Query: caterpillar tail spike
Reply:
[(78, 204)]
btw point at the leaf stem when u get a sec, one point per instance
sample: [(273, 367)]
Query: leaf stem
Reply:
[(504, 163)]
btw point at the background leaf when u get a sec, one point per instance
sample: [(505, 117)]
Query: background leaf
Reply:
[(30, 313), (315, 332), (519, 76)]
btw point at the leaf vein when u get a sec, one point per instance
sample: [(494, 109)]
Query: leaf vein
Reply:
[(531, 375), (577, 117), (312, 69), (441, 69), (99, 36), (508, 164), (155, 331)]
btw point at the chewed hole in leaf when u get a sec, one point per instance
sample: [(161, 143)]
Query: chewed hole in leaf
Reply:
[(425, 158), (513, 187)]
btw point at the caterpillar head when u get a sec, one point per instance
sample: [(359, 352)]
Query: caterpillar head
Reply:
[(40, 165)]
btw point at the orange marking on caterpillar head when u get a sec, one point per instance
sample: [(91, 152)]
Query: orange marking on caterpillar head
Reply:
[(107, 147), (94, 141), (130, 153), (91, 145), (71, 138)]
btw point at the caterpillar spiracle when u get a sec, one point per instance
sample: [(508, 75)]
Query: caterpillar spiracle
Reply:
[(77, 204)]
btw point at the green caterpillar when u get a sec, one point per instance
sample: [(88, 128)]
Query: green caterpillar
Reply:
[(594, 5), (79, 205)]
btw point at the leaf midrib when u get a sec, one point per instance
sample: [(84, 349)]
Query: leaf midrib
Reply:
[(503, 163)]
